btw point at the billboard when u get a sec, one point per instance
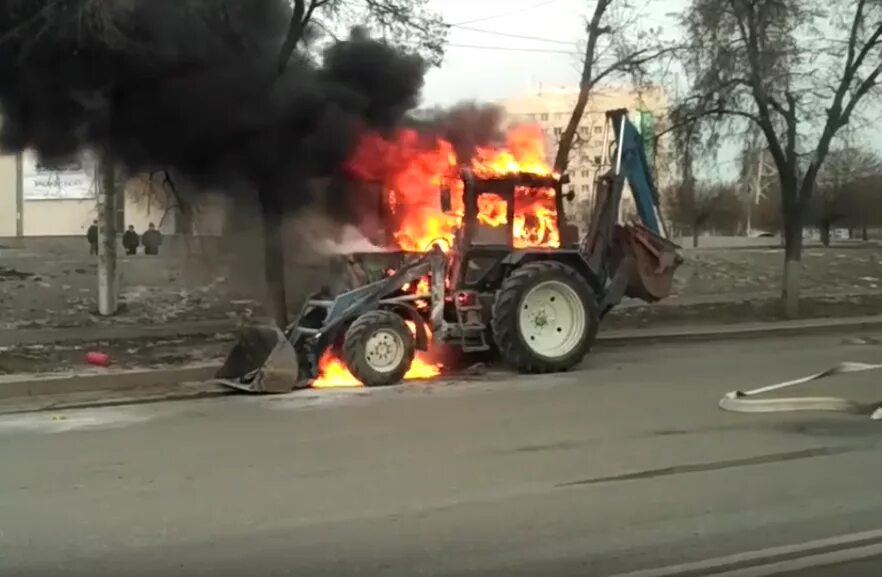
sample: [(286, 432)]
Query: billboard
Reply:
[(70, 180)]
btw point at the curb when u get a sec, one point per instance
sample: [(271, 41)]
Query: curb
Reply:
[(111, 333), (179, 392), (23, 386), (735, 331)]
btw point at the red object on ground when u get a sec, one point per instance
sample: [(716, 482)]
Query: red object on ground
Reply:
[(98, 358)]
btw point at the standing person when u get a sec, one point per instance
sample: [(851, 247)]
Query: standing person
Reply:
[(151, 239), (92, 237), (131, 241)]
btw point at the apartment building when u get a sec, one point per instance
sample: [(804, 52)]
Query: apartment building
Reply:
[(552, 108)]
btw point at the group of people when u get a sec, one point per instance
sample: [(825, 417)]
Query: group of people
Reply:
[(151, 239)]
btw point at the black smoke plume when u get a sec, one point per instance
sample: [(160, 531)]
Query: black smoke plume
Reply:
[(191, 85), (466, 126)]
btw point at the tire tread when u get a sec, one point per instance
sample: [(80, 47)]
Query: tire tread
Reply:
[(356, 339), (506, 309)]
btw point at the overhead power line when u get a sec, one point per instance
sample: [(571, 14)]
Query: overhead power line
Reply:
[(510, 49), (508, 35), (508, 13)]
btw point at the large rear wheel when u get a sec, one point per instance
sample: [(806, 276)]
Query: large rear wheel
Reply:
[(545, 318), (378, 348)]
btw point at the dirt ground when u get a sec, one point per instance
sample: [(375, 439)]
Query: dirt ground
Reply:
[(731, 274), (58, 288), (736, 285), (124, 354), (50, 290)]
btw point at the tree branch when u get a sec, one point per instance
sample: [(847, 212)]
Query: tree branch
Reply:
[(633, 61), (864, 87), (791, 122), (751, 41), (837, 116), (595, 29), (300, 19)]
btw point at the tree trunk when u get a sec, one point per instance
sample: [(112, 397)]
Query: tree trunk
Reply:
[(850, 233), (108, 282), (586, 82), (694, 236), (274, 257), (792, 260), (864, 234), (825, 234), (562, 159)]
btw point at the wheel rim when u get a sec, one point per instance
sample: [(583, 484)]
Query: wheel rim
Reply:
[(384, 351), (552, 319)]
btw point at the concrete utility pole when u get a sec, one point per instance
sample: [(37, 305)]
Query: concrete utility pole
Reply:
[(756, 193), (108, 282)]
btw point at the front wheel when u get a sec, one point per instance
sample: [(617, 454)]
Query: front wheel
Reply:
[(545, 318), (378, 348)]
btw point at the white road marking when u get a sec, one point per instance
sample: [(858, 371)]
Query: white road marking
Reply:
[(720, 563), (807, 562)]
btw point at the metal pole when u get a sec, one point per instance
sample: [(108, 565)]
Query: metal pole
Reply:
[(19, 195), (604, 161), (437, 289), (108, 286), (757, 192), (621, 147)]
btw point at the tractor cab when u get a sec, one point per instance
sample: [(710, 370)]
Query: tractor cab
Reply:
[(492, 203)]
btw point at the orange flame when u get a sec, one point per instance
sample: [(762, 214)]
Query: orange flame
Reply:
[(413, 170), (334, 374)]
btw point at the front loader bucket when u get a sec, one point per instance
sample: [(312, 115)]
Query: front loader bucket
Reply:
[(263, 361)]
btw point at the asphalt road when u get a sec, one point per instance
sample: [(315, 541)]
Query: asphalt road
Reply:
[(624, 468)]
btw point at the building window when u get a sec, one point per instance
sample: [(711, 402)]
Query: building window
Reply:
[(543, 116), (586, 188), (598, 129), (598, 160), (558, 130)]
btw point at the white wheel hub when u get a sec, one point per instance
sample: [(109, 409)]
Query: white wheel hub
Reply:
[(552, 319), (384, 351)]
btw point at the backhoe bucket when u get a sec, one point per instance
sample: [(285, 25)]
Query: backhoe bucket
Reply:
[(263, 361), (655, 261)]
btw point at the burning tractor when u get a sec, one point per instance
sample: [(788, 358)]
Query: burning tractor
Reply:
[(535, 297)]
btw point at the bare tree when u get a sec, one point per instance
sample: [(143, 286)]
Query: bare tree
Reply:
[(798, 70), (616, 46), (219, 32), (696, 208), (407, 23), (691, 205), (846, 190)]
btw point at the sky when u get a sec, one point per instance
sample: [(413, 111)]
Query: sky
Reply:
[(487, 59), (469, 72), (482, 63)]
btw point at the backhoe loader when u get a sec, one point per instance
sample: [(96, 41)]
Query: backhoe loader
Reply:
[(538, 308)]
